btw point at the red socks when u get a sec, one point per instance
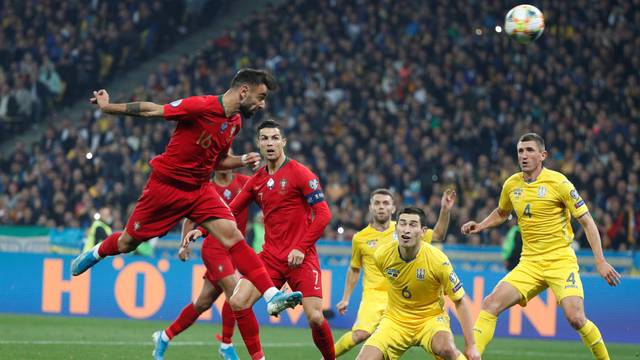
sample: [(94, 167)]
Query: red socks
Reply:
[(109, 246), (187, 317), (228, 323), (323, 339), (250, 265), (248, 325)]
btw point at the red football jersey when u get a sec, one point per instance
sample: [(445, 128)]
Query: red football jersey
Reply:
[(285, 198), (201, 139), (229, 192)]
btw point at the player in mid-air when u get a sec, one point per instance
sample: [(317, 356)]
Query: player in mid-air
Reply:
[(380, 231), (219, 277), (295, 215), (418, 276), (179, 183), (544, 201)]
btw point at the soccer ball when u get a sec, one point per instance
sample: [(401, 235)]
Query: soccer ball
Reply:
[(524, 23)]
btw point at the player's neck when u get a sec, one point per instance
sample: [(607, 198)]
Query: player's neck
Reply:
[(273, 166), (409, 253), (230, 103), (532, 176), (223, 180), (381, 226)]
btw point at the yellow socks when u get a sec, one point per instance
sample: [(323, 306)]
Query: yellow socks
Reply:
[(461, 357), (344, 344), (592, 338), (483, 329)]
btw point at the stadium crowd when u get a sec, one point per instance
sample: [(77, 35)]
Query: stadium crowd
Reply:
[(53, 52), (399, 94)]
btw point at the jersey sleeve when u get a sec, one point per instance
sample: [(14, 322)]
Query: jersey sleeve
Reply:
[(187, 108), (428, 236), (310, 187), (451, 284), (571, 199), (356, 253), (505, 202)]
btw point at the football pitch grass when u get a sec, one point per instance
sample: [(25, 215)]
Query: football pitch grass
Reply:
[(42, 337)]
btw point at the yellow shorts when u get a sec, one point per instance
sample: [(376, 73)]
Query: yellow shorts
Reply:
[(532, 277), (393, 338), (371, 309)]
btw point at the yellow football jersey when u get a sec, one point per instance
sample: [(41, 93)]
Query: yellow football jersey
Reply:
[(544, 208), (417, 288), (364, 244)]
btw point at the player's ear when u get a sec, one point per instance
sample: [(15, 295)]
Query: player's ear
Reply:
[(544, 154), (244, 91)]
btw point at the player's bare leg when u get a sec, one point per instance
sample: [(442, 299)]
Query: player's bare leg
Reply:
[(248, 263), (573, 307), (114, 244), (369, 352), (243, 298), (503, 296), (442, 345), (320, 330)]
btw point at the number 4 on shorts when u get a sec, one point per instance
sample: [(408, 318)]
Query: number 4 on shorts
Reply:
[(571, 279)]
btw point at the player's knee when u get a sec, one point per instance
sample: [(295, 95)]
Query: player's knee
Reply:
[(577, 320), (231, 238), (315, 318), (202, 305), (448, 351), (359, 336), (127, 244), (238, 302)]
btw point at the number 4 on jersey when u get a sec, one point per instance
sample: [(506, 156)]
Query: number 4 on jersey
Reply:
[(527, 211)]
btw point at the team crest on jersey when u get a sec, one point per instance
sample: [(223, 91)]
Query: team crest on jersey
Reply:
[(542, 191), (224, 127), (395, 237), (176, 103), (372, 243), (227, 194), (270, 183), (517, 193), (136, 226), (314, 184), (420, 274), (393, 273)]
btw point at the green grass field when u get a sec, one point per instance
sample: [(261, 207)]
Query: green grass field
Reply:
[(38, 337)]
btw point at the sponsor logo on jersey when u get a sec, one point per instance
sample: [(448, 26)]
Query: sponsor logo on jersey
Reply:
[(372, 243), (227, 194), (270, 183), (314, 184), (579, 203), (517, 193), (542, 191), (176, 103), (393, 273), (420, 274)]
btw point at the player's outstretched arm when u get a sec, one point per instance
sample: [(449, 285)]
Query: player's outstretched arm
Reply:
[(230, 162), (497, 217), (353, 274), (141, 108), (446, 204), (463, 309), (593, 236)]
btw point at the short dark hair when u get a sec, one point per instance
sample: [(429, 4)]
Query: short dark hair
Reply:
[(415, 211), (533, 137), (381, 191), (254, 77), (270, 124)]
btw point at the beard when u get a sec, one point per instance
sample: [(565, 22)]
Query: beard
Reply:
[(246, 111)]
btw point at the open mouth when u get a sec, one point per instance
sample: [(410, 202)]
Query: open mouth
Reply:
[(405, 237)]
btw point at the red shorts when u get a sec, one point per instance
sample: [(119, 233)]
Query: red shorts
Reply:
[(216, 260), (162, 205), (306, 278)]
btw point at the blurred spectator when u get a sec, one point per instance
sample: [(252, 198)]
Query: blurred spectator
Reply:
[(99, 229), (399, 94)]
